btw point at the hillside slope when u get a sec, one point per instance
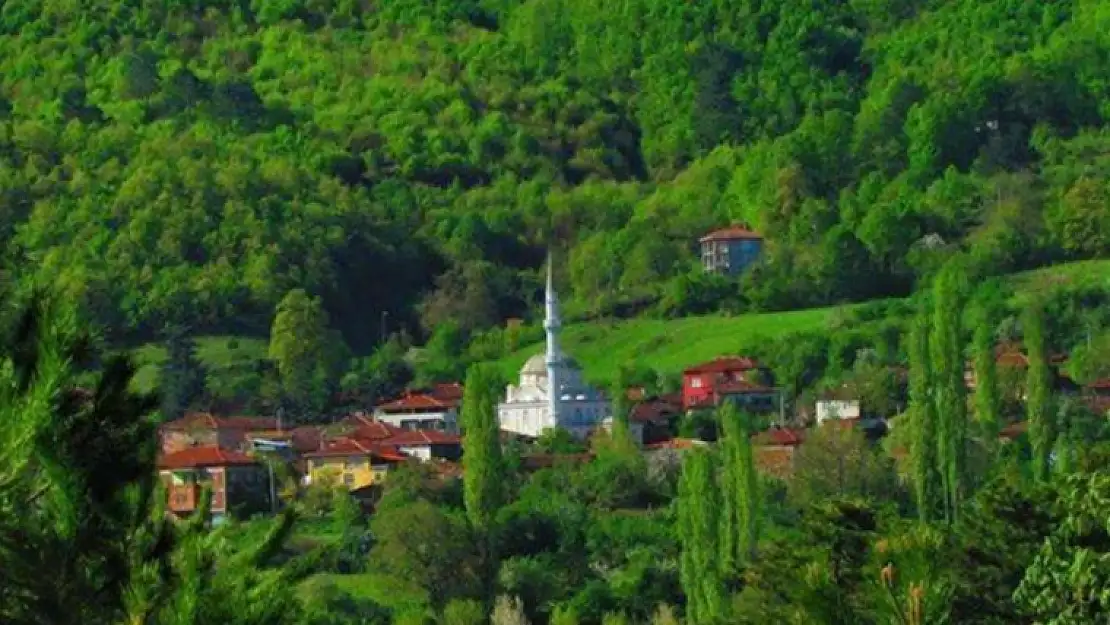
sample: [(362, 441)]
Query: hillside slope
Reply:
[(670, 346), (190, 162)]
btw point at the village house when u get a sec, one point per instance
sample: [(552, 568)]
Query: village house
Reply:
[(239, 483), (729, 251), (732, 378), (656, 416), (354, 463), (200, 429), (427, 445), (421, 411)]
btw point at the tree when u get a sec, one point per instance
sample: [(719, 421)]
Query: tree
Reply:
[(621, 428), (922, 421), (304, 349), (183, 376), (1067, 580), (988, 402), (424, 545), (483, 467), (698, 531), (84, 534), (739, 510), (1042, 426), (838, 462), (946, 357)]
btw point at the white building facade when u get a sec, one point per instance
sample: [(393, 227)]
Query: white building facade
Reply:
[(551, 393)]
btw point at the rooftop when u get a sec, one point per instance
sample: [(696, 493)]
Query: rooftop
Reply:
[(351, 446), (724, 364), (732, 233), (200, 420), (195, 457)]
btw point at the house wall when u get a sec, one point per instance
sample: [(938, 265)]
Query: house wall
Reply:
[(730, 257), (445, 421), (837, 409), (353, 472)]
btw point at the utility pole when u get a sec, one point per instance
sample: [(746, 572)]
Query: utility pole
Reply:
[(385, 316)]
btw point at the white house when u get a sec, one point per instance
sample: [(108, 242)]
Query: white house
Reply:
[(837, 409)]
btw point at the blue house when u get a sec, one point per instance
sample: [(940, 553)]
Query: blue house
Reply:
[(731, 250)]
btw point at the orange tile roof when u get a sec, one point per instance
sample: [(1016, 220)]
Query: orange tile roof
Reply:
[(415, 401), (350, 446), (412, 438), (194, 457), (654, 410), (732, 233), (1100, 385), (724, 364), (448, 392), (777, 461)]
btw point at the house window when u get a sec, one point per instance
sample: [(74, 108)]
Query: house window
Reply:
[(349, 479), (695, 382)]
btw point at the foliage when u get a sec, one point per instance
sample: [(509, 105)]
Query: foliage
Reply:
[(1068, 580), (739, 491), (1042, 426), (838, 462), (946, 359), (699, 524)]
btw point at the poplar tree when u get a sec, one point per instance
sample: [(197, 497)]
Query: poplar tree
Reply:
[(987, 400), (483, 468), (922, 415), (739, 490), (1042, 430), (698, 527), (621, 429), (950, 393)]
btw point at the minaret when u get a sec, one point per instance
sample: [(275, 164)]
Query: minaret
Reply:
[(554, 356)]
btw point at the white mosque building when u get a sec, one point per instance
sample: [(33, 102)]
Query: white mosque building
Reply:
[(551, 393)]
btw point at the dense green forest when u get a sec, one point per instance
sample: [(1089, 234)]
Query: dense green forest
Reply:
[(190, 162)]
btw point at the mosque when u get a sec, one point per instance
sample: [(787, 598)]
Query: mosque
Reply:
[(551, 393)]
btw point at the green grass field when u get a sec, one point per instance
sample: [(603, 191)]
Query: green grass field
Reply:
[(665, 345), (217, 353), (670, 345)]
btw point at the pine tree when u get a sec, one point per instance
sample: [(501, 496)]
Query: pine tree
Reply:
[(699, 524), (182, 379), (922, 415), (951, 393), (987, 400), (739, 490), (1042, 430)]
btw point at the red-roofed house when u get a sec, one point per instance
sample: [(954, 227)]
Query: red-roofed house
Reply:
[(239, 483), (730, 250), (705, 385), (421, 411), (355, 463), (655, 416), (201, 429)]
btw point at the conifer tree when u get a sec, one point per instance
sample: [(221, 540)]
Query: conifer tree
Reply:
[(739, 509), (483, 466), (987, 400), (698, 528), (1042, 429), (182, 379), (922, 415), (951, 394)]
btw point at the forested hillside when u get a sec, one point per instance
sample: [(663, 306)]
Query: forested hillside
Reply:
[(190, 161)]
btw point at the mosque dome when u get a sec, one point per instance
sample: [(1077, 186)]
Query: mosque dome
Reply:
[(535, 366)]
